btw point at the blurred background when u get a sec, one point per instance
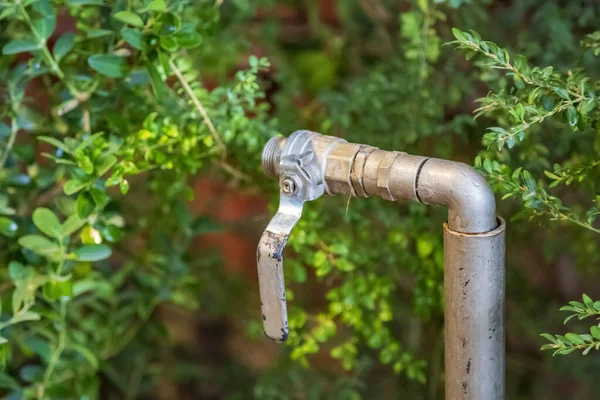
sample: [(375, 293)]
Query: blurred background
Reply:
[(364, 275)]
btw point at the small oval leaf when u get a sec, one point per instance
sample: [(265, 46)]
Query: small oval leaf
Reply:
[(129, 18), (63, 45), (92, 252), (108, 65), (47, 222)]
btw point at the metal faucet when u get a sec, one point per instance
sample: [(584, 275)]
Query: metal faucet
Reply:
[(309, 164)]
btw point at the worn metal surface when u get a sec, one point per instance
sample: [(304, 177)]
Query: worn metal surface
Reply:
[(364, 171), (474, 243), (474, 312), (300, 181), (470, 201)]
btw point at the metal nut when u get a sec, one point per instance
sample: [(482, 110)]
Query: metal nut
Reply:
[(383, 174), (289, 187)]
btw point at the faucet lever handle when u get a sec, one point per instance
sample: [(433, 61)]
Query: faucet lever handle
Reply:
[(300, 181)]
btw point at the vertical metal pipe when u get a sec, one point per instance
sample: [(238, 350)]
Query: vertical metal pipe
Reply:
[(474, 314)]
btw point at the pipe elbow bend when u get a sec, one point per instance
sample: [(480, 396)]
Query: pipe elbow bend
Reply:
[(469, 198)]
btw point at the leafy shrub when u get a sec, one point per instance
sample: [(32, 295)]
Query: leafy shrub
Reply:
[(103, 127)]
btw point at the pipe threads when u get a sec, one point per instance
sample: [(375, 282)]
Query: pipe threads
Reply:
[(271, 156)]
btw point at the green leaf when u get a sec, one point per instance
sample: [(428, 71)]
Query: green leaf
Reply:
[(520, 62), (158, 85), (85, 205), (344, 265), (47, 222), (572, 116), (561, 92), (589, 303), (105, 163), (551, 175), (92, 252), (86, 3), (570, 317), (574, 338), (38, 244), (168, 43), (44, 18), (100, 197), (20, 46), (31, 373), (124, 186), (519, 84), (129, 18), (26, 316), (72, 224), (170, 24), (54, 142), (7, 382), (72, 186), (8, 12), (426, 245), (190, 40), (90, 236), (588, 105), (63, 45), (487, 165), (459, 35), (595, 331), (96, 33), (86, 164), (18, 271), (134, 37), (59, 288), (8, 227), (529, 181), (577, 304), (156, 5), (319, 258), (86, 353), (510, 142), (548, 337), (108, 65)]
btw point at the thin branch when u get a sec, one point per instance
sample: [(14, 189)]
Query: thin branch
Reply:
[(213, 131), (62, 341), (188, 89), (14, 128)]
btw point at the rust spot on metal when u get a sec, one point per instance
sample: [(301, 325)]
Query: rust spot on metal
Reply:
[(468, 370)]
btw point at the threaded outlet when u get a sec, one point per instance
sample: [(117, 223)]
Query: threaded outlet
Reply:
[(271, 156)]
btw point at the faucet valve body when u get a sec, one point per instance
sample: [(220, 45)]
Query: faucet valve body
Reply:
[(309, 164)]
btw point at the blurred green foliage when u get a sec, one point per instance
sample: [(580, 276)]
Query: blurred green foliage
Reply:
[(102, 130)]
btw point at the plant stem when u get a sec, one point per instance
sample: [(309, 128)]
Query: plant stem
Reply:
[(213, 131), (62, 341), (190, 92), (14, 128)]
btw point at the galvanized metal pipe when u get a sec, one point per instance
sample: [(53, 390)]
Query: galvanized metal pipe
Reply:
[(473, 246), (474, 314)]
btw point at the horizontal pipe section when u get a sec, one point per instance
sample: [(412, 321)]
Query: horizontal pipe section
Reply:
[(359, 170), (474, 314)]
